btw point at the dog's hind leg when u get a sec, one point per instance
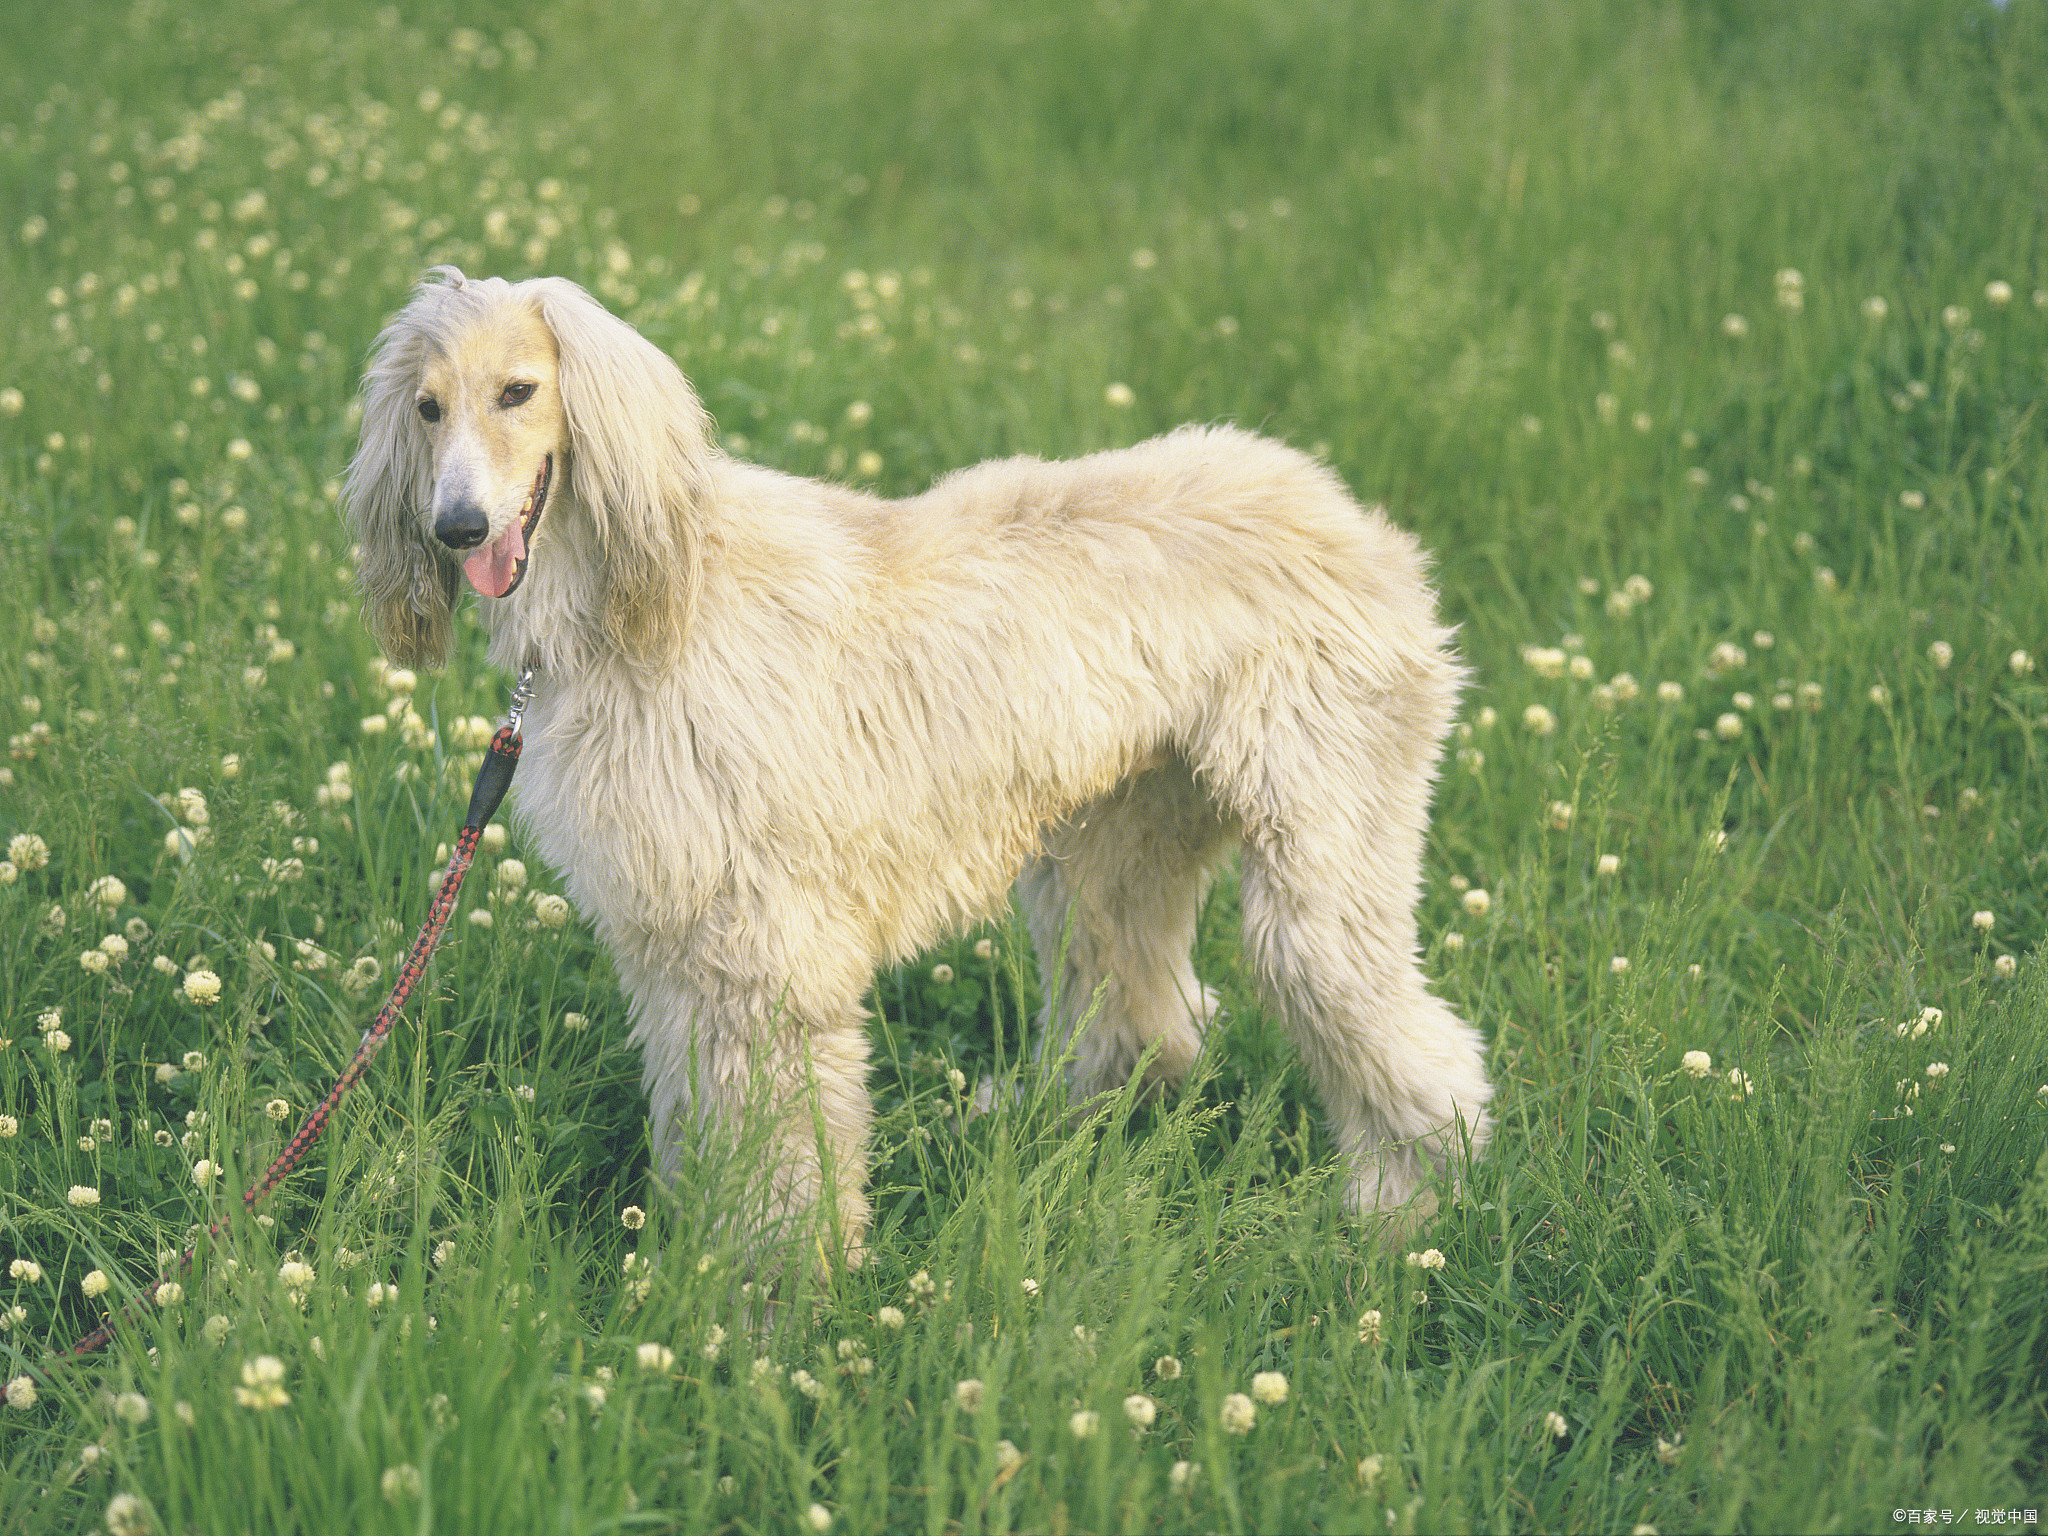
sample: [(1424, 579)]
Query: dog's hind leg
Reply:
[(1332, 778), (1112, 903)]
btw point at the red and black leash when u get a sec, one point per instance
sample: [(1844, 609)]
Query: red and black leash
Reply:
[(492, 780)]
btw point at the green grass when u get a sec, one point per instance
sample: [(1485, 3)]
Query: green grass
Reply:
[(1479, 256)]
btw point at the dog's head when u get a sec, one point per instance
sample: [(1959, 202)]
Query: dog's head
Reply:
[(496, 416)]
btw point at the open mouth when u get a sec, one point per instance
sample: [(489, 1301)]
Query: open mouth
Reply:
[(496, 568)]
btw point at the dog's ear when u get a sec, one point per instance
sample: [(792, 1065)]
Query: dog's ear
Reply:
[(639, 460), (408, 584)]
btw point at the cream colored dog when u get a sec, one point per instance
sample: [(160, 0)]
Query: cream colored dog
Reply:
[(785, 732)]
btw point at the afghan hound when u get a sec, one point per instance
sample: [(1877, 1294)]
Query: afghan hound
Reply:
[(784, 732)]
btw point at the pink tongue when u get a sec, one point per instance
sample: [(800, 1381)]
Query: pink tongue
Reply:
[(491, 569)]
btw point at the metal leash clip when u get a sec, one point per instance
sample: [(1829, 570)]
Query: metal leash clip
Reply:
[(522, 695)]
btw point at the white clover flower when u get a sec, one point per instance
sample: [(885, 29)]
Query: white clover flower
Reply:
[(296, 1274), (132, 1408), (818, 1518), (1429, 1258), (890, 1317), (1269, 1388), (969, 1395), (262, 1383), (1554, 1425), (1237, 1414), (1371, 1468), (25, 1269), (95, 962), (2019, 661), (807, 1384), (550, 910), (1669, 692), (56, 1042), (1697, 1064), (1182, 1473), (1140, 1410), (714, 1342), (1618, 965), (1119, 395), (83, 1195), (108, 891), (1983, 922), (9, 1126), (1560, 814), (1539, 720), (639, 1276), (655, 1357), (95, 1283), (633, 1218), (1728, 727), (201, 987), (1607, 864), (1084, 1423), (377, 1293), (26, 851), (217, 1329), (1875, 308), (1369, 1326), (1738, 1081), (129, 1514), (400, 1482), (21, 1393), (1937, 1070), (205, 1171), (2005, 967), (1477, 902)]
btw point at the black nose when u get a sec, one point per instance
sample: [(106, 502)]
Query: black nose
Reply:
[(462, 526)]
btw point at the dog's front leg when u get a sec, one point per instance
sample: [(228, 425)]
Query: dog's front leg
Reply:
[(766, 1119)]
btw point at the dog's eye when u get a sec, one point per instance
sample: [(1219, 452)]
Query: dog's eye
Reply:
[(516, 394), (430, 410)]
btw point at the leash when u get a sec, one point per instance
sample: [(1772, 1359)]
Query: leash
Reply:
[(492, 780)]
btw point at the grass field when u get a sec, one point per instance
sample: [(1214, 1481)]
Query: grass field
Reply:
[(1704, 345)]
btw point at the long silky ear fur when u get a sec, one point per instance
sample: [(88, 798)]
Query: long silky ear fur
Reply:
[(408, 585), (640, 456)]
